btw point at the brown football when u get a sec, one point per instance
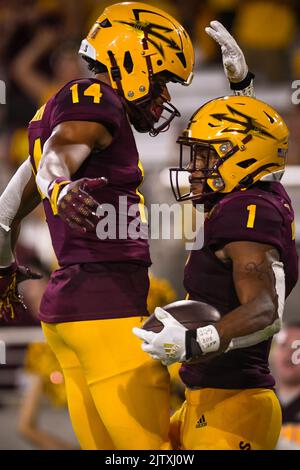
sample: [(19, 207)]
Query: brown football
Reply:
[(190, 313)]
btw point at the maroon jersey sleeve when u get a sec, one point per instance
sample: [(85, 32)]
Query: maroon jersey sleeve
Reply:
[(246, 218), (87, 100)]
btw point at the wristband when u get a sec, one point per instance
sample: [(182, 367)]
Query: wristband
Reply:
[(244, 83), (208, 339), (54, 190)]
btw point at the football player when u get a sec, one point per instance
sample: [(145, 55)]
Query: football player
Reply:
[(246, 268), (83, 154)]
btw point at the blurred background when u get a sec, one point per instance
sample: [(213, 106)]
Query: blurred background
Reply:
[(38, 55)]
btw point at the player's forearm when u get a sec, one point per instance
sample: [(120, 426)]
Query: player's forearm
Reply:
[(61, 159), (15, 232), (247, 319), (259, 280), (18, 199), (51, 168), (10, 199), (244, 326), (67, 148)]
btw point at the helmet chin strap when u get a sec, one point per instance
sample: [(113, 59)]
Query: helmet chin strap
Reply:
[(115, 72)]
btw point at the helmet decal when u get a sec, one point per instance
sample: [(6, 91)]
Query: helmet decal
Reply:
[(152, 30), (249, 123)]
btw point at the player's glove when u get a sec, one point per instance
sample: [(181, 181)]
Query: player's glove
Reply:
[(12, 306), (174, 343), (234, 63), (72, 201), (168, 345)]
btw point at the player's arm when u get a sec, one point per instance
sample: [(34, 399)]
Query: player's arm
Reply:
[(259, 282), (63, 154), (258, 277), (24, 67), (17, 201), (234, 62)]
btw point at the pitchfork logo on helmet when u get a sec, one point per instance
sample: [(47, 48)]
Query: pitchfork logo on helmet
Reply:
[(241, 126), (136, 41), (243, 139), (156, 35)]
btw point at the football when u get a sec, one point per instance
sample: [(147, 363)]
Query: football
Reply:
[(190, 313)]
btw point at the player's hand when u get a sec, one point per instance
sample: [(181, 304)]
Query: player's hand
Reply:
[(12, 306), (77, 207), (234, 62), (168, 345)]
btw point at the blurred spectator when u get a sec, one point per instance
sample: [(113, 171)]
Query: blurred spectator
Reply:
[(25, 18), (26, 71), (65, 65), (44, 381), (265, 31), (286, 367)]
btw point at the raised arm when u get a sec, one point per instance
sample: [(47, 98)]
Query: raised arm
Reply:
[(234, 62), (24, 68)]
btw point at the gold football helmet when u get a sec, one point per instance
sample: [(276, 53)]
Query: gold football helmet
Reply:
[(134, 42), (245, 139)]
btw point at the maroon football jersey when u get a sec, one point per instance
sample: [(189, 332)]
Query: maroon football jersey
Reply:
[(93, 100), (262, 214)]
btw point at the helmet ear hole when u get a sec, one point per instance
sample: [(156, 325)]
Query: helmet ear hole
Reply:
[(128, 63), (247, 163)]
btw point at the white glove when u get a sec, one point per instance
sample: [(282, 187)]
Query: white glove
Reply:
[(168, 345), (233, 58)]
